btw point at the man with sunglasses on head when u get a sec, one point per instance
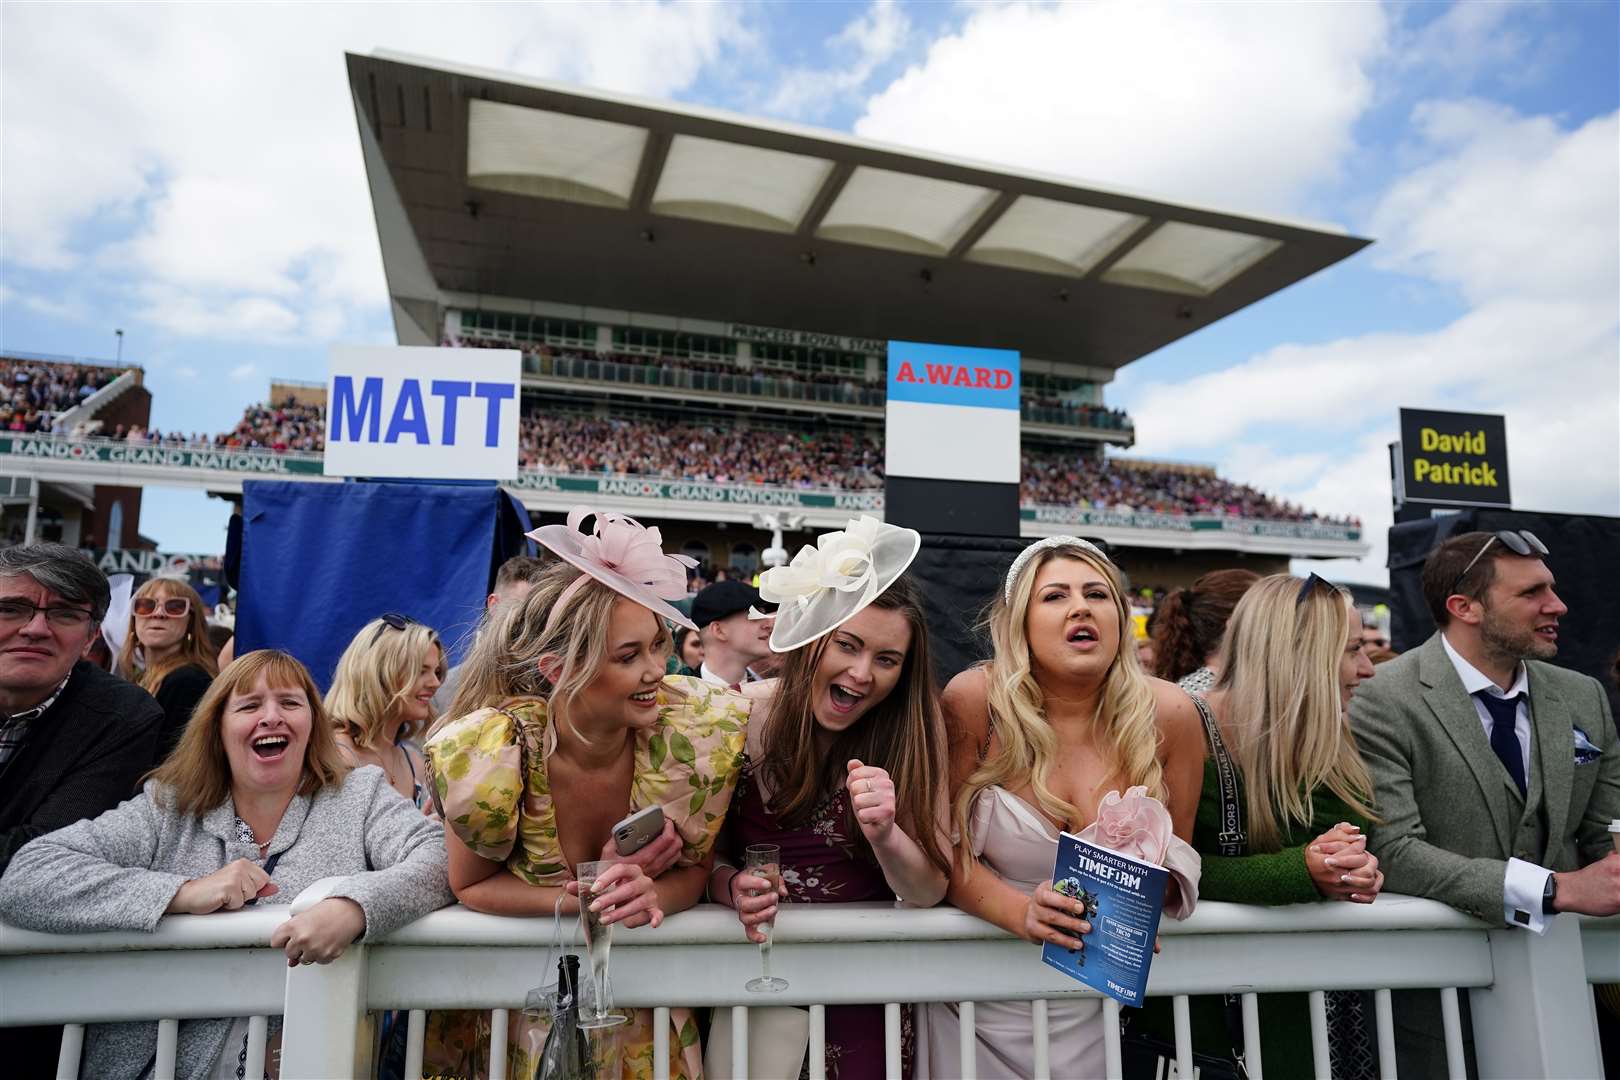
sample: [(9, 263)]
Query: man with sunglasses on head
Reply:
[(74, 740), (1496, 773)]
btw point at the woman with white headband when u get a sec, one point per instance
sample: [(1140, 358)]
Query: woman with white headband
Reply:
[(1061, 715), (844, 770)]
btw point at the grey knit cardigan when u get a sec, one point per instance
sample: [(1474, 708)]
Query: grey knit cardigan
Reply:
[(120, 870)]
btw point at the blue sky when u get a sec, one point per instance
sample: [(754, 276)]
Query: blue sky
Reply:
[(191, 174)]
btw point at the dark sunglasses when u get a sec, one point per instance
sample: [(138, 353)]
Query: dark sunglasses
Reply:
[(1520, 542), (174, 606), (1310, 583), (394, 620)]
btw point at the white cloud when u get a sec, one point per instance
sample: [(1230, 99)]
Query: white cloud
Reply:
[(867, 41), (219, 140), (1518, 216), (1249, 105), (243, 371)]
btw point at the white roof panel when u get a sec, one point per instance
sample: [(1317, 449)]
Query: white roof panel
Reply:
[(904, 212), (1053, 237), (1191, 259), (551, 154), (736, 184)]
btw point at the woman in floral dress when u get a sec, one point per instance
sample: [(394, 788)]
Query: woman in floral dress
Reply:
[(845, 758), (564, 723)]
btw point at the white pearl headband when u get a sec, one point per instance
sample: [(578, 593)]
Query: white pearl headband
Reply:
[(1047, 544)]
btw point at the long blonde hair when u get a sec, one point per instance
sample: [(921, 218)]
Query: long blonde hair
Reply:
[(1125, 723), (196, 777), (194, 649), (1280, 677), (505, 659), (374, 678)]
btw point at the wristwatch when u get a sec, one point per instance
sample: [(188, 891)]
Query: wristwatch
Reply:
[(1549, 894)]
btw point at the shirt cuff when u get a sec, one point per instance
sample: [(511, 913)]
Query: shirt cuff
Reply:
[(1523, 887)]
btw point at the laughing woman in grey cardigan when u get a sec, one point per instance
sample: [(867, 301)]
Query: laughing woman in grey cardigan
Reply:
[(254, 806)]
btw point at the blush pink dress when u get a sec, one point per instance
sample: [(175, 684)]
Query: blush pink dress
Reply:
[(1017, 844)]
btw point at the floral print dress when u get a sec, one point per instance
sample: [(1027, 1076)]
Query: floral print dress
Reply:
[(488, 777), (822, 863)]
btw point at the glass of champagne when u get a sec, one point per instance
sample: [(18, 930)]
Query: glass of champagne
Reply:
[(596, 1005), (765, 861)]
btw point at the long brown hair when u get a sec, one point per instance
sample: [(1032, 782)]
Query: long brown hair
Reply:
[(902, 734), (1190, 622), (196, 777), (505, 659), (194, 650)]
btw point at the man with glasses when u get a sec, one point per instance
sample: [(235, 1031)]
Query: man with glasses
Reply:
[(74, 740), (1496, 773)]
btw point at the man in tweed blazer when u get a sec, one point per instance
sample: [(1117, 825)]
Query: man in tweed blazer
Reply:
[(1496, 774)]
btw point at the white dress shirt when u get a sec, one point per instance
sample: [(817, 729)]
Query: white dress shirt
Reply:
[(1525, 883)]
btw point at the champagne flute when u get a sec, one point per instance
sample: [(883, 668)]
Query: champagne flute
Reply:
[(765, 860), (596, 1003)]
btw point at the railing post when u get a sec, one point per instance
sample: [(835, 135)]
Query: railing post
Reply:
[(1537, 1018), (324, 1031)]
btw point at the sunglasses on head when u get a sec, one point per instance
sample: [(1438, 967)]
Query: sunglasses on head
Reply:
[(392, 620), (1519, 541), (173, 606), (1310, 583)]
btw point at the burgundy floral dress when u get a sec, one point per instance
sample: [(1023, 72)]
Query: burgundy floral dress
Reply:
[(822, 864)]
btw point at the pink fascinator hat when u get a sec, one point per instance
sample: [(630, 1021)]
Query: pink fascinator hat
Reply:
[(622, 554)]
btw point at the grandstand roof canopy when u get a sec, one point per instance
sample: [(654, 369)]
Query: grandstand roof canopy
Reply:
[(489, 184)]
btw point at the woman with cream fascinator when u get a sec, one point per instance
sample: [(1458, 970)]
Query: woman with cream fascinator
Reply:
[(1042, 734), (845, 762)]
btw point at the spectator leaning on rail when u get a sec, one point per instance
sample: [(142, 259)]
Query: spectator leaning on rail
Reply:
[(1496, 773), (1286, 796), (254, 805), (382, 694), (513, 581), (167, 652)]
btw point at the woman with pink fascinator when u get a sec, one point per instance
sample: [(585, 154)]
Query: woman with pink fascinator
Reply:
[(564, 723)]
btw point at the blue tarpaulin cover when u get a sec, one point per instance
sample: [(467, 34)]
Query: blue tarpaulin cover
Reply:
[(319, 561)]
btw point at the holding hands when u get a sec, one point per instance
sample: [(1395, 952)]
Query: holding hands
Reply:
[(1341, 867), (1053, 917), (871, 796), (628, 891)]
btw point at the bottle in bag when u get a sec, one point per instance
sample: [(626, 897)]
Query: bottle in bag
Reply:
[(566, 1054)]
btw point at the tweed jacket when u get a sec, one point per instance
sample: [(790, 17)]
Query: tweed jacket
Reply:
[(1451, 814), (120, 870)]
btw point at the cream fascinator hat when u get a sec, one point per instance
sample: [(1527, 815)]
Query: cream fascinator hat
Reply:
[(1047, 544), (830, 582), (622, 554)]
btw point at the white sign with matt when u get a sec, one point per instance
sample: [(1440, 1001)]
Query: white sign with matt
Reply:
[(440, 414)]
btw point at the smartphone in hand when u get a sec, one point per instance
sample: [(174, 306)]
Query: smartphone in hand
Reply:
[(638, 830)]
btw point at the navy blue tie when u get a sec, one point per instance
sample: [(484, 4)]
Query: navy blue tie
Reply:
[(1504, 711)]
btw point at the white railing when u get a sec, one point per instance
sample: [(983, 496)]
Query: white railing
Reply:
[(1532, 1011)]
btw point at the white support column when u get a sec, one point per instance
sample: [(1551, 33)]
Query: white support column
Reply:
[(325, 1017), (967, 1041), (818, 1042), (739, 1041), (67, 1062), (1537, 1019), (32, 526), (1384, 1017)]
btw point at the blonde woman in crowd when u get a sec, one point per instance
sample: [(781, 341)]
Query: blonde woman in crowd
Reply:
[(254, 806), (1061, 715), (382, 695), (564, 724), (1287, 826), (167, 653)]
